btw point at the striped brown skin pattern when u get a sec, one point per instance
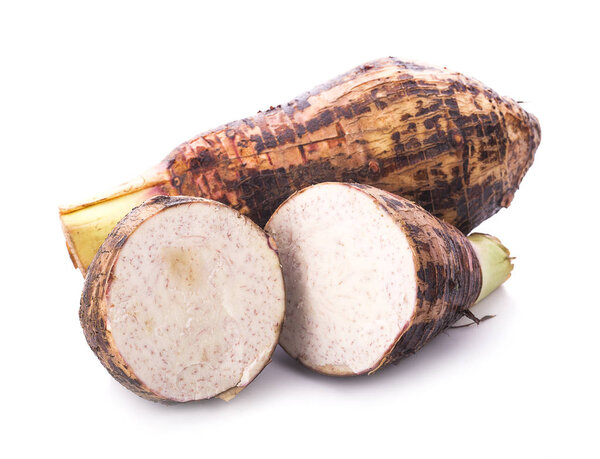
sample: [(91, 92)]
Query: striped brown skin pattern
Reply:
[(448, 272), (436, 137), (94, 308)]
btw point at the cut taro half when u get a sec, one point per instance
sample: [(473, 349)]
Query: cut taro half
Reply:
[(371, 277), (184, 300)]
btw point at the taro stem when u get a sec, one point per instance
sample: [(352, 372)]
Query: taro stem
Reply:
[(495, 260), (86, 225)]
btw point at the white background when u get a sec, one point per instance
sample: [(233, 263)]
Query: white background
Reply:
[(92, 93)]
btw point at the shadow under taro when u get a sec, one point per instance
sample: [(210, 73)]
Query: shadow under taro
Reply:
[(447, 345)]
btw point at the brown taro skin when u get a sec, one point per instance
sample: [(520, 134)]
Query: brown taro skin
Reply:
[(436, 137), (448, 273)]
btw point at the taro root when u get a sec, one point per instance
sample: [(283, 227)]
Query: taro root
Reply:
[(371, 277), (184, 300), (434, 136)]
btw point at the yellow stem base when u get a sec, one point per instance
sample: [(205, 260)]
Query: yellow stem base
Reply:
[(86, 225)]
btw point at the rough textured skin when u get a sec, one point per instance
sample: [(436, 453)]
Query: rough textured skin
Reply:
[(93, 310), (448, 273), (436, 137)]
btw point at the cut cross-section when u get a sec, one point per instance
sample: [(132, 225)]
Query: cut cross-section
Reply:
[(186, 300), (370, 277)]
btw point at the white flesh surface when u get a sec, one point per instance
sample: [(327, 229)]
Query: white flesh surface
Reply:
[(196, 301), (350, 278)]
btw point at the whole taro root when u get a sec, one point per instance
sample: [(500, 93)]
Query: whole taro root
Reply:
[(433, 136)]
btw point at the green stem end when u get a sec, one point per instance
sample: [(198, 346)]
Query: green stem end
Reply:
[(495, 260)]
